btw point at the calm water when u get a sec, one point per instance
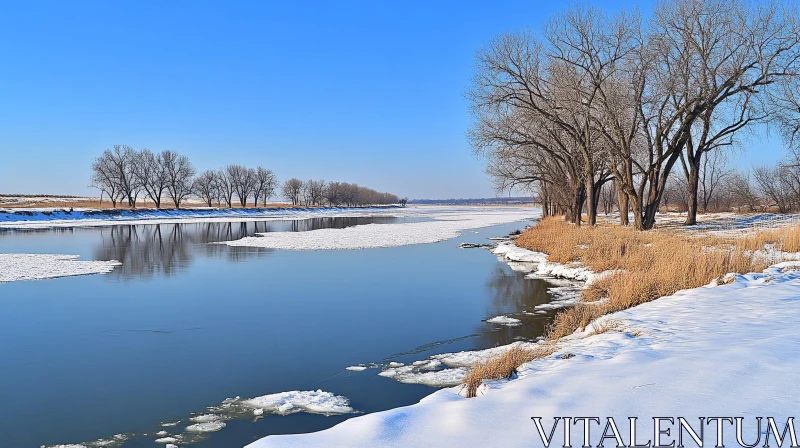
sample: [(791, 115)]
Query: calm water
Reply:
[(184, 324)]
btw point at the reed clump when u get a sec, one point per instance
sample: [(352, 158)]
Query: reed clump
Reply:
[(502, 366)]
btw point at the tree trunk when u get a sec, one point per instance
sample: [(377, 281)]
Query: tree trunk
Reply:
[(591, 201), (693, 179), (622, 197)]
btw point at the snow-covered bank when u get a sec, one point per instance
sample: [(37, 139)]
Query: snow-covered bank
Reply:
[(49, 217), (15, 267), (735, 346), (445, 224)]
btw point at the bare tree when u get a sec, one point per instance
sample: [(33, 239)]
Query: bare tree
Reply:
[(292, 190), (179, 175), (242, 181), (151, 174), (314, 191), (105, 177), (206, 187), (774, 185), (714, 174), (264, 184), (120, 160), (742, 192), (225, 187), (333, 193)]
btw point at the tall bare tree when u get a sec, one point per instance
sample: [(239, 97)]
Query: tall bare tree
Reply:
[(264, 184), (292, 190), (206, 187), (151, 174), (105, 176), (179, 175)]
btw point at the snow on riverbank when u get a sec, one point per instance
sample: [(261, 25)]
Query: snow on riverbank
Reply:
[(15, 267), (446, 224), (49, 217), (735, 344)]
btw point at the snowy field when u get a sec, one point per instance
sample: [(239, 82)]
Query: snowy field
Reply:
[(722, 350)]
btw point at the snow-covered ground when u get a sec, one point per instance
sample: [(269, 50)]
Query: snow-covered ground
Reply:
[(15, 267), (446, 223), (729, 350)]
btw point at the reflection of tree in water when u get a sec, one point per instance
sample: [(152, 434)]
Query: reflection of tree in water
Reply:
[(512, 293), (146, 250)]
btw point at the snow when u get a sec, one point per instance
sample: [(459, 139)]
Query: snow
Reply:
[(446, 369), (540, 267), (16, 267), (314, 402), (737, 345), (206, 426), (446, 224), (504, 320)]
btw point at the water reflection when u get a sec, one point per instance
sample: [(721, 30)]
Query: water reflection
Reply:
[(513, 294), (147, 250)]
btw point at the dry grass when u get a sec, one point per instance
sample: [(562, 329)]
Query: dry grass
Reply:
[(503, 366), (786, 239), (650, 265)]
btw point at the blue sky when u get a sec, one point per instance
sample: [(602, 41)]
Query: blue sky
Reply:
[(366, 92)]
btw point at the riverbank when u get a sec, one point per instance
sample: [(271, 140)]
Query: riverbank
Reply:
[(650, 358)]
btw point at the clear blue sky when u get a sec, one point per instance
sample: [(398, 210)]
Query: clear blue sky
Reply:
[(367, 92)]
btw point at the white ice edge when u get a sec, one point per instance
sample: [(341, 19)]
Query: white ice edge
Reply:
[(16, 267), (446, 224), (705, 341)]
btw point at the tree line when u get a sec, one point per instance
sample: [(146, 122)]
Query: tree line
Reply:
[(123, 173), (601, 102)]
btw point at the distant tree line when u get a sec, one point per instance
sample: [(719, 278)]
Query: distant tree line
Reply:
[(126, 174)]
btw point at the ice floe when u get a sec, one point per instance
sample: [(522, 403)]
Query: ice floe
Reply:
[(504, 320), (443, 226), (16, 267)]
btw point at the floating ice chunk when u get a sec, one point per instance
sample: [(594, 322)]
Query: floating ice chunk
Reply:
[(162, 433), (504, 320), (171, 439), (396, 364), (206, 427), (169, 445), (258, 411), (168, 424), (315, 402), (205, 418), (16, 267), (415, 375), (356, 368)]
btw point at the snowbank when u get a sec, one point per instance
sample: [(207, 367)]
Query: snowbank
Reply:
[(445, 225), (15, 267), (49, 217), (737, 345)]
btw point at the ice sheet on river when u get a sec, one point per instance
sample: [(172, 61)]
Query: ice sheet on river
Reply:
[(446, 224), (15, 267)]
